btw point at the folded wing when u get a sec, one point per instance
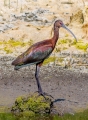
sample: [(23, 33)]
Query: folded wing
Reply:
[(35, 54)]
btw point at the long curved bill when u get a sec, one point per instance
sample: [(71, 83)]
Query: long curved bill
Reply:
[(69, 31)]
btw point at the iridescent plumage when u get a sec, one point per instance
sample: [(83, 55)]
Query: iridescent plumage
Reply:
[(38, 52)]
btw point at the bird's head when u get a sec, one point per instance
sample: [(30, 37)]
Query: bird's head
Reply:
[(59, 23)]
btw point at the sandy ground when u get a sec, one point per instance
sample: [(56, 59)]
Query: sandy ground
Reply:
[(69, 88)]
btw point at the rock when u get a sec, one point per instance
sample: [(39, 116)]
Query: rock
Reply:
[(35, 15), (1, 19), (77, 18), (85, 24), (31, 105), (85, 14)]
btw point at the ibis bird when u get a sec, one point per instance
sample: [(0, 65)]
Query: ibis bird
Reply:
[(38, 52)]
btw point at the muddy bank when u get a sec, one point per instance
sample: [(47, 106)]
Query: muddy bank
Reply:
[(68, 87)]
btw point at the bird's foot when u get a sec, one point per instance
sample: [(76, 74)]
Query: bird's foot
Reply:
[(41, 93), (45, 94)]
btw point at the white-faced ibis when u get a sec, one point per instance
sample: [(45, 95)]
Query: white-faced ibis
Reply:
[(38, 52)]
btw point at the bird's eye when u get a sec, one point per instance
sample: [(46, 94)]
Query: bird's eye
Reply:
[(60, 23)]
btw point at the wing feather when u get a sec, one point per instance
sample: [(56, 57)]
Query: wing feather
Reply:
[(35, 54)]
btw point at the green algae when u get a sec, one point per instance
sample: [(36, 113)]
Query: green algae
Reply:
[(19, 100), (63, 41), (82, 46), (7, 49), (48, 60), (28, 113), (9, 45), (12, 43), (60, 59), (31, 105), (53, 59), (74, 42)]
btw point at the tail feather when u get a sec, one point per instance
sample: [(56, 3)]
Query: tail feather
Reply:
[(18, 61), (17, 67)]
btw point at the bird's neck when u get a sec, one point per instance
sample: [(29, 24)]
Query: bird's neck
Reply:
[(55, 36)]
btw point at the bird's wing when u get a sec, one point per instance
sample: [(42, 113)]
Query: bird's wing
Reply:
[(35, 54)]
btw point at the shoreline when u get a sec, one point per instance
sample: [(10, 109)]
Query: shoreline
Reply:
[(60, 83)]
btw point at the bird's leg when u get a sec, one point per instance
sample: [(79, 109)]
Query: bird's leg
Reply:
[(38, 83), (37, 79)]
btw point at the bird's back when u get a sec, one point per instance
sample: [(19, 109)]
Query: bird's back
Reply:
[(35, 54)]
